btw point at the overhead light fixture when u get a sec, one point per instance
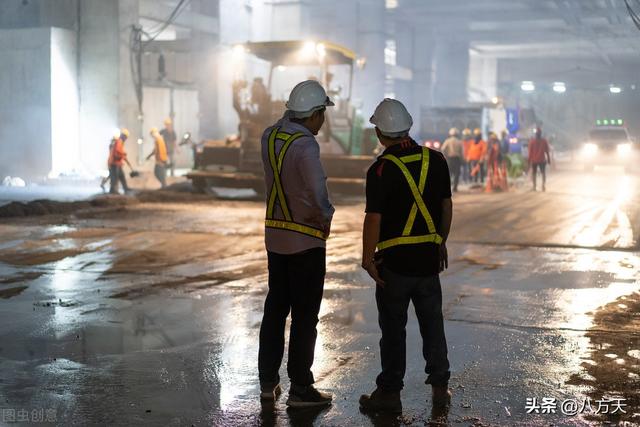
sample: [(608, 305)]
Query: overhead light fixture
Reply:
[(615, 89), (527, 86), (559, 87)]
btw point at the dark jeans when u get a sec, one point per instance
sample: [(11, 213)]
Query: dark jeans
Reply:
[(455, 164), (543, 172), (117, 174), (160, 171), (393, 303), (296, 283)]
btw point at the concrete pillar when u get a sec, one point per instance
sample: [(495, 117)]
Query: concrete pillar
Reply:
[(451, 71), (483, 78), (205, 53), (128, 115), (98, 71), (423, 76), (403, 89), (370, 82)]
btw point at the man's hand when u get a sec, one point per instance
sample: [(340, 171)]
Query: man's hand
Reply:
[(372, 269), (444, 257)]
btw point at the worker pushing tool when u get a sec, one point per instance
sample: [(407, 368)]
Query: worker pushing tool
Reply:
[(117, 158), (297, 225), (408, 217)]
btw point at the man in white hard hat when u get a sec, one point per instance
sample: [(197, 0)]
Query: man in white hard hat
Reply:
[(297, 225), (408, 217)]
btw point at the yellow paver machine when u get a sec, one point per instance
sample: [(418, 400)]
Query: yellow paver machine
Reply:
[(346, 146)]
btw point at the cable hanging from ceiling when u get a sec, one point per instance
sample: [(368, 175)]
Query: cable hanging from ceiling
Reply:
[(635, 16)]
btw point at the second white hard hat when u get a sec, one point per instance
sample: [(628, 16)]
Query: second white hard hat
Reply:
[(307, 97), (392, 118)]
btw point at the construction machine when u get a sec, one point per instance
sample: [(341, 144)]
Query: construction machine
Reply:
[(346, 147)]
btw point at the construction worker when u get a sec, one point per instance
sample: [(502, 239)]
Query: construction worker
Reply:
[(117, 158), (298, 222), (408, 217), (476, 154), (466, 143), (160, 153), (538, 158), (453, 152), (170, 140), (495, 163)]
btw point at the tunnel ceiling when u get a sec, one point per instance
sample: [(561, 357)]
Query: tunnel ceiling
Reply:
[(529, 28)]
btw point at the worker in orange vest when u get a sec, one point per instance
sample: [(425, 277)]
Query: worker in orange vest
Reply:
[(476, 154), (117, 158), (160, 153), (466, 143)]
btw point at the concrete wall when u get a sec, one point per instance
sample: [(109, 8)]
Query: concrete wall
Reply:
[(25, 103)]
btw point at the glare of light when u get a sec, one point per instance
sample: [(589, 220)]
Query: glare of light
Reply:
[(308, 50), (513, 140), (65, 120), (624, 149), (590, 148), (140, 141), (495, 100), (527, 86), (281, 68), (559, 87), (116, 133), (361, 62), (391, 4), (427, 144), (436, 144), (615, 89), (321, 50)]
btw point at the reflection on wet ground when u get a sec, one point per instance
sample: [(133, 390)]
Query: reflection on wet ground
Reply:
[(150, 316)]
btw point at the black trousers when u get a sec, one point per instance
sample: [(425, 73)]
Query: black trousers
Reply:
[(393, 303), (296, 283), (116, 173), (455, 163)]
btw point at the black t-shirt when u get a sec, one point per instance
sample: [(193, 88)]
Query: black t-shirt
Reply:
[(169, 139), (388, 194)]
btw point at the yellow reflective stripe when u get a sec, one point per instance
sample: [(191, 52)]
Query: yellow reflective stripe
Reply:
[(283, 136), (272, 196), (276, 175), (424, 169), (294, 226), (410, 240), (411, 158), (285, 147), (414, 190)]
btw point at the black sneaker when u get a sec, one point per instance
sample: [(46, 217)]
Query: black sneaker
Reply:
[(270, 392), (305, 397), (380, 401)]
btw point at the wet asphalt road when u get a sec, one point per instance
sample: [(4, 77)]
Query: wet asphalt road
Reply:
[(148, 313)]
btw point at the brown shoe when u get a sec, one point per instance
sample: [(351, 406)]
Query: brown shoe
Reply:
[(440, 395), (381, 401)]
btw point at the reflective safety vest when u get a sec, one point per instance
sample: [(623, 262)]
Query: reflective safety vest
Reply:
[(417, 191), (277, 191)]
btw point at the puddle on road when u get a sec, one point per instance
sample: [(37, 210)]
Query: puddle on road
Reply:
[(612, 365)]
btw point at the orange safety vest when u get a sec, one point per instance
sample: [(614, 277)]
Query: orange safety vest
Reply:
[(161, 150), (477, 151), (117, 153)]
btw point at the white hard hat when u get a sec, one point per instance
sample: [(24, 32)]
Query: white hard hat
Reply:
[(392, 118), (307, 97)]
